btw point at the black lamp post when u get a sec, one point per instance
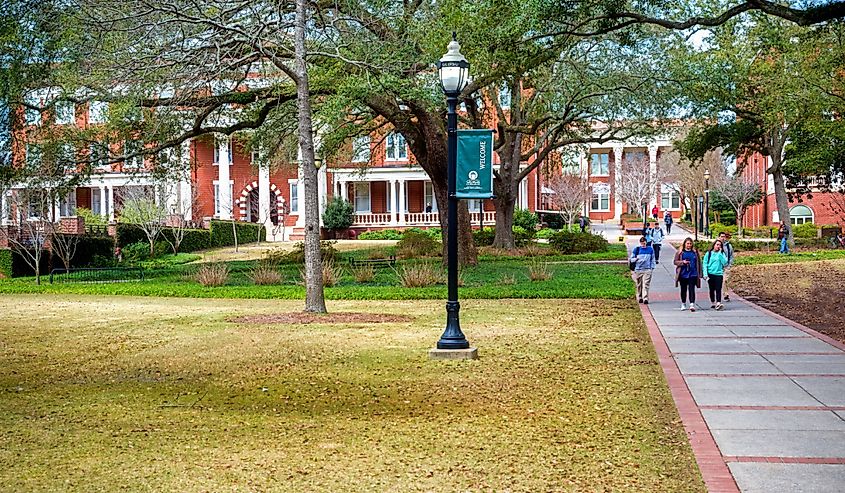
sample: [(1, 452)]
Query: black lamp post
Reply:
[(707, 202), (454, 74)]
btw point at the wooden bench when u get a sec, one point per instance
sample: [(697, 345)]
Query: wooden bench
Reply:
[(375, 262)]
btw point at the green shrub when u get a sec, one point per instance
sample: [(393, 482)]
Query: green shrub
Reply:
[(384, 234), (193, 240), (89, 247), (338, 215), (90, 218), (483, 237), (525, 219), (417, 244), (102, 261), (126, 234), (718, 228), (567, 242), (136, 252), (5, 262), (21, 267), (545, 233), (434, 233), (521, 236), (222, 236), (806, 230)]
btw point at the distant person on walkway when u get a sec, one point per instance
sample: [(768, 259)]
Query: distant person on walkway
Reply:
[(656, 241), (688, 273), (728, 250), (647, 233), (428, 207), (714, 264), (667, 218), (582, 223), (783, 236), (643, 255), (655, 212)]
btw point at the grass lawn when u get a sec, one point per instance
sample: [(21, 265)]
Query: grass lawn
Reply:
[(125, 393), (777, 258), (504, 277)]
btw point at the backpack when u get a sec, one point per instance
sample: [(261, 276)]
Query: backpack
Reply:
[(632, 264)]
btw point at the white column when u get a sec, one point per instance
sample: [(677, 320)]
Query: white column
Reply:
[(104, 210), (223, 164), (322, 189), (617, 181), (186, 202), (344, 190), (391, 201), (264, 202), (652, 167), (523, 194), (110, 203), (4, 209), (401, 206)]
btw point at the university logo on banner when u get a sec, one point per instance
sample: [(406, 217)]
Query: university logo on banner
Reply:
[(475, 164)]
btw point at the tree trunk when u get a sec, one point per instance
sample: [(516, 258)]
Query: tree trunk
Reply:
[(467, 253), (740, 214), (505, 203), (152, 247), (314, 298), (235, 235), (782, 200)]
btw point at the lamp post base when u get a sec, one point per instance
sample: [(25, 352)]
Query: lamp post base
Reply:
[(452, 337), (468, 353)]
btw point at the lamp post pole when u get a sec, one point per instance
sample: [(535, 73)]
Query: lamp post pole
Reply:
[(707, 202), (453, 69)]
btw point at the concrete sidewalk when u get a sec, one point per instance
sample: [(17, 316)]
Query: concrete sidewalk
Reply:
[(762, 398)]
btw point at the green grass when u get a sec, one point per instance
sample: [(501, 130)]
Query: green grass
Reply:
[(143, 394), (777, 258), (490, 279)]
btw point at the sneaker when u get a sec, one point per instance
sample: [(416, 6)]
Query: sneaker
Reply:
[(720, 306), (727, 298), (712, 306), (640, 300), (645, 302), (683, 306), (692, 307)]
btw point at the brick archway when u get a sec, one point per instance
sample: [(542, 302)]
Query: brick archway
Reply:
[(243, 200)]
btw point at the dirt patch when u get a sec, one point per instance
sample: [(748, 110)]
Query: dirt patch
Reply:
[(320, 318), (810, 293)]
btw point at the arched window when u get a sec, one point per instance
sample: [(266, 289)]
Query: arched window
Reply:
[(801, 214)]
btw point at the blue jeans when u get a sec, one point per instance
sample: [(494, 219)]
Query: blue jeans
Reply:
[(784, 245)]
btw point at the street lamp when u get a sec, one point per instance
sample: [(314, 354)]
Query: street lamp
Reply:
[(707, 202), (453, 69)]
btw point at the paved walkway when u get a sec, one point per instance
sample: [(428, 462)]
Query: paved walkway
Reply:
[(762, 398)]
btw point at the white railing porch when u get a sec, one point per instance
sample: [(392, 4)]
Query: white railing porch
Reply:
[(418, 219)]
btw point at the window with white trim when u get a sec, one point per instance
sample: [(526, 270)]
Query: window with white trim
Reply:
[(98, 112), (65, 112), (216, 159), (66, 157), (505, 96), (670, 200), (99, 155), (294, 197), (800, 214), (474, 205), (600, 202), (219, 207), (430, 198), (67, 205), (397, 150), (362, 196), (361, 149), (599, 164)]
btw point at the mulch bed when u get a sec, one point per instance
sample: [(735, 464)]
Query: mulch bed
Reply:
[(320, 318), (811, 293)]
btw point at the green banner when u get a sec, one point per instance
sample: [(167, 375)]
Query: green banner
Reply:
[(475, 164)]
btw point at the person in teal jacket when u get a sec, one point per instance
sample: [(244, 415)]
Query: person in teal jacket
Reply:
[(713, 267)]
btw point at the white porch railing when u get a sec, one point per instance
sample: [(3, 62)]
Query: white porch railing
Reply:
[(428, 219)]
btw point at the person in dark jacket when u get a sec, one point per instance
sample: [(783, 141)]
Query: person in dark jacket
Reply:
[(582, 222), (688, 273), (667, 218)]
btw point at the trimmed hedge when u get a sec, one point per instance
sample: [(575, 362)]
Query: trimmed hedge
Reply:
[(21, 268), (194, 239), (5, 262), (567, 242), (769, 245), (88, 248), (221, 233)]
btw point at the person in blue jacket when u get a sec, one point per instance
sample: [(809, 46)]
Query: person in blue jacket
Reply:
[(643, 257), (714, 265), (688, 272)]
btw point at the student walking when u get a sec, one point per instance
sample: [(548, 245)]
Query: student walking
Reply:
[(714, 264), (728, 250), (643, 257), (657, 241), (667, 218), (688, 273), (783, 236), (582, 223), (655, 212)]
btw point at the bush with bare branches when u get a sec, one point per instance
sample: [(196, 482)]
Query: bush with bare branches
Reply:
[(212, 274), (266, 274), (539, 271), (420, 275)]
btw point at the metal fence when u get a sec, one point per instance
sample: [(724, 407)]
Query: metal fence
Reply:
[(97, 275)]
